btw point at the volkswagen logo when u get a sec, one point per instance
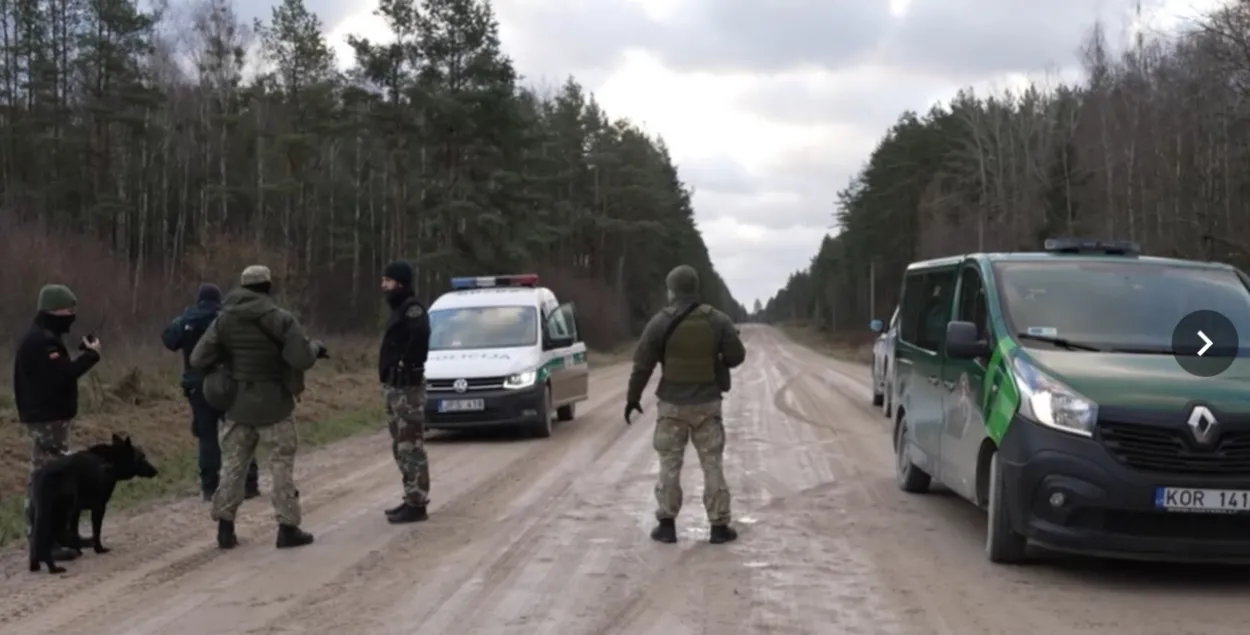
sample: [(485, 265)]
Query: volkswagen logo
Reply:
[(1203, 425), (460, 385)]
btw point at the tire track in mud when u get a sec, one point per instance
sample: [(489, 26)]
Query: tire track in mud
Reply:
[(468, 521)]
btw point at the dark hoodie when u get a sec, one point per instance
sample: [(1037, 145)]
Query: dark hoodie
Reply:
[(267, 352), (45, 377), (185, 331)]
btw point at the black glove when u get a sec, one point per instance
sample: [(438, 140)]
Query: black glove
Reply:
[(630, 409)]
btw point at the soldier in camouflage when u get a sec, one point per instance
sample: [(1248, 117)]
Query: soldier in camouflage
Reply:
[(267, 353), (45, 385), (696, 345), (401, 369)]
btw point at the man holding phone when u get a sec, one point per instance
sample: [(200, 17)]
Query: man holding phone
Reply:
[(45, 384)]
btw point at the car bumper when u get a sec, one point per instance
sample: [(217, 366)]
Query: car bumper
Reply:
[(1108, 509), (502, 408)]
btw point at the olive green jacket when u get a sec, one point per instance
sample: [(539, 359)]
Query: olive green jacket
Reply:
[(723, 346), (267, 353)]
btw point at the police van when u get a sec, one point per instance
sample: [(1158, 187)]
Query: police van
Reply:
[(1091, 399), (503, 352)]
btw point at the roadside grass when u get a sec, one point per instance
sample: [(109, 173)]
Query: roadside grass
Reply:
[(852, 347)]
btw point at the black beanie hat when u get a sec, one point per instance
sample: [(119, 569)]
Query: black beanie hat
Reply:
[(208, 292), (400, 272)]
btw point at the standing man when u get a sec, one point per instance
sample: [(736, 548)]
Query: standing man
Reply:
[(401, 369), (266, 353), (696, 344), (45, 385), (182, 334)]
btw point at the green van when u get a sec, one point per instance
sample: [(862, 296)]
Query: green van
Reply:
[(1051, 390)]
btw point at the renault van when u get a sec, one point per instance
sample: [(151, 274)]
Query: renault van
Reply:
[(503, 352), (1091, 399)]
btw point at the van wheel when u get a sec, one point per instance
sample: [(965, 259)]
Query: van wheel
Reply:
[(566, 413), (878, 398), (910, 478), (1003, 545), (542, 427)]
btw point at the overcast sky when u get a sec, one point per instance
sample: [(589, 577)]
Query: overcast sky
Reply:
[(770, 106)]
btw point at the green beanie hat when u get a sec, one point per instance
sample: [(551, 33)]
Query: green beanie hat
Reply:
[(683, 280), (54, 297)]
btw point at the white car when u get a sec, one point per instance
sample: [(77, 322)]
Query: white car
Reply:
[(883, 364)]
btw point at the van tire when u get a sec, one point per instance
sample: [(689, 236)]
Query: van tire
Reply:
[(878, 398), (910, 478), (1003, 545), (541, 428), (566, 413)]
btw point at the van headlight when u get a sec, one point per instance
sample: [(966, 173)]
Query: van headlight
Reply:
[(1047, 401), (521, 380)]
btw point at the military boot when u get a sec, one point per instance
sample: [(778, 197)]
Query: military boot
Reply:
[(665, 531), (226, 538), (408, 513), (64, 554), (395, 510), (290, 536), (721, 534)]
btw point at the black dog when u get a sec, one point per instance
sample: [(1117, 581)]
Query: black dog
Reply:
[(70, 484)]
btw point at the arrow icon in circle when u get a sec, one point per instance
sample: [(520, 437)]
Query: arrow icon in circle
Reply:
[(1206, 341)]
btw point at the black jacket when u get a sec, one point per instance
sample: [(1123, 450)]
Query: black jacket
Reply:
[(184, 332), (45, 378), (405, 345)]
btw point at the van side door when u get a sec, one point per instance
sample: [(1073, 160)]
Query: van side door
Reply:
[(963, 388), (578, 361), (915, 363), (558, 346)]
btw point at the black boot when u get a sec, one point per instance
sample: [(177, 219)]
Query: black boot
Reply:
[(226, 538), (407, 513), (290, 536), (665, 531), (64, 554), (395, 510), (721, 534)]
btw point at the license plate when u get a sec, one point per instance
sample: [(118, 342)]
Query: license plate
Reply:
[(1184, 499), (461, 405)]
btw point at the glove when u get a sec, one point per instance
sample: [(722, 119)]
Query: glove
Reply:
[(630, 409)]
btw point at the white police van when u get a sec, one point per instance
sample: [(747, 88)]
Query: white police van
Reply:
[(503, 352)]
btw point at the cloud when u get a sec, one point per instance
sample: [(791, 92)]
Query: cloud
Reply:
[(755, 260)]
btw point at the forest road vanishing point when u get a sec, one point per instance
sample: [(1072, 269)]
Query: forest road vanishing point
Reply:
[(550, 537)]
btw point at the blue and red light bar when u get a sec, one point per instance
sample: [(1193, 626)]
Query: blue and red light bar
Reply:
[(489, 282)]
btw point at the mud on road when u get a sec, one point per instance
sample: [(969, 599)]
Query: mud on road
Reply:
[(549, 537)]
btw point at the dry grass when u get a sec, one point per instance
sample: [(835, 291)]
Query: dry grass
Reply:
[(614, 355), (852, 347)]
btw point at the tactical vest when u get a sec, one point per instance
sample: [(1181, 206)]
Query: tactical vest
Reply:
[(690, 356), (256, 355)]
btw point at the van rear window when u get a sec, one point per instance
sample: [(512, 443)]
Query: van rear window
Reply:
[(1115, 305)]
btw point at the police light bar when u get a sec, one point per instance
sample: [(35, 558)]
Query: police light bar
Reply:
[(1087, 246), (487, 282)]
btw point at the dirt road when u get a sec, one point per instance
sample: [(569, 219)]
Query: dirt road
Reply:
[(550, 538)]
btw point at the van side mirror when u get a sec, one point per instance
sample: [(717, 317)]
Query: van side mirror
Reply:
[(962, 341), (876, 326)]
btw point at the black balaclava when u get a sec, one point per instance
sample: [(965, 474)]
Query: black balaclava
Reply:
[(400, 272), (58, 324)]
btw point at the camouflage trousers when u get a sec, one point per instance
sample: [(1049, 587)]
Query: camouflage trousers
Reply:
[(48, 440), (238, 449), (405, 418), (699, 425)]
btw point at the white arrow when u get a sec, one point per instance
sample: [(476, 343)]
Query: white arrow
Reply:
[(1205, 340)]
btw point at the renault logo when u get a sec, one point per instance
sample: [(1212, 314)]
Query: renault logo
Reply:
[(1203, 424), (460, 385)]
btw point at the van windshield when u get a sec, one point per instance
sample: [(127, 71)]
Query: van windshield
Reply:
[(1128, 306), (483, 327)]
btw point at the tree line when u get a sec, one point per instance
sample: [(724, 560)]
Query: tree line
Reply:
[(1152, 146), (173, 148)]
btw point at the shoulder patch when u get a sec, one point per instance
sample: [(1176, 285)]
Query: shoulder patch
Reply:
[(414, 311)]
